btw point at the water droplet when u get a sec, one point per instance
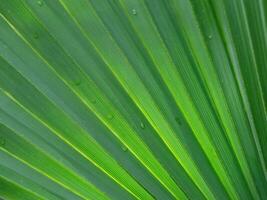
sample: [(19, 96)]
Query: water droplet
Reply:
[(124, 148), (77, 82), (142, 125), (173, 177), (3, 46), (178, 120), (210, 37), (2, 141), (134, 12), (40, 3), (35, 35), (93, 101), (110, 116)]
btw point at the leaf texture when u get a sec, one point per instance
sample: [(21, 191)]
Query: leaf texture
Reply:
[(133, 99)]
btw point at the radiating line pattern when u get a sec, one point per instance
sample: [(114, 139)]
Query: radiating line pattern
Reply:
[(133, 99)]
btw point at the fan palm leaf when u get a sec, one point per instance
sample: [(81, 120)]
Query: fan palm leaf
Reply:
[(133, 99)]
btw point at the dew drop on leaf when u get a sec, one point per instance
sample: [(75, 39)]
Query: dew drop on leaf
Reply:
[(35, 35), (110, 116), (124, 148), (93, 101), (40, 3), (178, 120), (142, 125), (2, 46), (134, 12), (77, 82), (2, 141), (210, 37)]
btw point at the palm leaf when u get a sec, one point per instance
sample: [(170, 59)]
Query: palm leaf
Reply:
[(133, 99)]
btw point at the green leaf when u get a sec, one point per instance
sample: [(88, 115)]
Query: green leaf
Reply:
[(123, 99)]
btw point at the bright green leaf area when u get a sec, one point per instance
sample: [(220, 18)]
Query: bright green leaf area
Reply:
[(133, 99)]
